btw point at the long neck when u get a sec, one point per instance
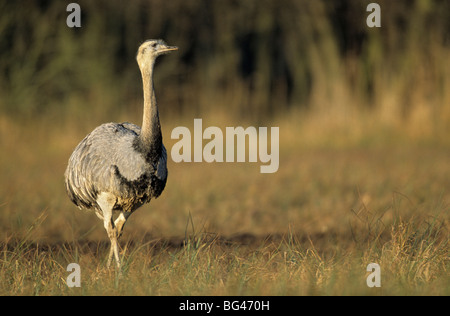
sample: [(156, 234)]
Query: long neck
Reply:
[(150, 136)]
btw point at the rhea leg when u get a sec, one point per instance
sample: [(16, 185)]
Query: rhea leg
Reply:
[(118, 224), (106, 202), (113, 236)]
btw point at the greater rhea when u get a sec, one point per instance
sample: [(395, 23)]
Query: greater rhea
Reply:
[(120, 167)]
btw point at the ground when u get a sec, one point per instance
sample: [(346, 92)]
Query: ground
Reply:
[(337, 203)]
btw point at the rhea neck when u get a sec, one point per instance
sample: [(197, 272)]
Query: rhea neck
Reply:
[(150, 137)]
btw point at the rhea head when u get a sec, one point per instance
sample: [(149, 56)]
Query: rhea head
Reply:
[(149, 51)]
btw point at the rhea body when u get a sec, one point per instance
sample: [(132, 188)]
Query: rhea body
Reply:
[(120, 167)]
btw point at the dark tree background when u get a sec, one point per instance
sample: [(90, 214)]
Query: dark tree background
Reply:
[(251, 58)]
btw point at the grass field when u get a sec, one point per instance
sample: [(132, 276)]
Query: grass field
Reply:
[(344, 196), (364, 124)]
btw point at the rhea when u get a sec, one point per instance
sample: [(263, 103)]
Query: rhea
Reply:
[(119, 167)]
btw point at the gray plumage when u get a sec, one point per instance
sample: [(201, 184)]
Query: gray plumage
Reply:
[(120, 167), (107, 161)]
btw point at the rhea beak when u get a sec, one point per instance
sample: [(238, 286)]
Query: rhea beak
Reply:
[(166, 49)]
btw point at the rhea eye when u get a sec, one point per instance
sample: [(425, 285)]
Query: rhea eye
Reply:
[(154, 45)]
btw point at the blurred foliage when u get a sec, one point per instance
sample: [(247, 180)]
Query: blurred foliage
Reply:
[(251, 58)]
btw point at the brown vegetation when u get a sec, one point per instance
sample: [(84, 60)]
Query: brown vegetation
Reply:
[(364, 118)]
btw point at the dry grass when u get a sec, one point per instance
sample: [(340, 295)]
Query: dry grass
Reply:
[(339, 201), (364, 119)]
